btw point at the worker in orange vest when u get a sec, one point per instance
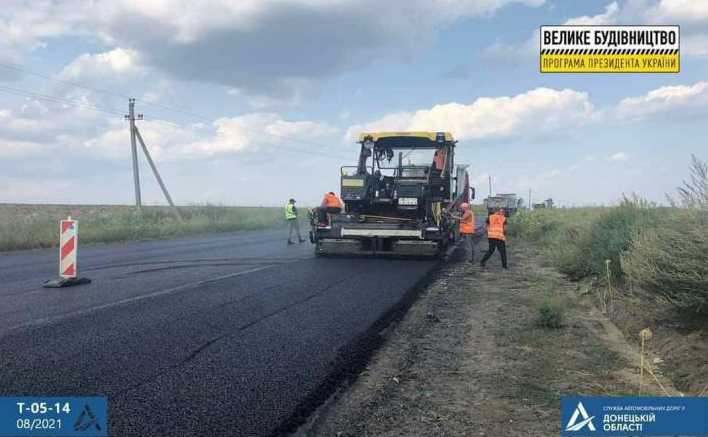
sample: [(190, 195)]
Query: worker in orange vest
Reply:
[(496, 235), (331, 204), (467, 230)]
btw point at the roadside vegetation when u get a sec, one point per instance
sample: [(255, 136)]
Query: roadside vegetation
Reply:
[(36, 226), (663, 250), (645, 267)]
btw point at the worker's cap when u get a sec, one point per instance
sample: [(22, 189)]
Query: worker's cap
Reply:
[(332, 193), (465, 205), (292, 200)]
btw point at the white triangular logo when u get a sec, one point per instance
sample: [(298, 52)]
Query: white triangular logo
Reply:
[(574, 425)]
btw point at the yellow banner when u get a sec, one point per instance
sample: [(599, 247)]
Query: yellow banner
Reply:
[(352, 182), (610, 63)]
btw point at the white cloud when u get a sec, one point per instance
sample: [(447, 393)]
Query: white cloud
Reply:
[(244, 133), (619, 156), (528, 49), (665, 99), (159, 136), (539, 112), (10, 148), (27, 22), (261, 47), (692, 15), (35, 126), (112, 63), (536, 111), (256, 131), (608, 17), (668, 11)]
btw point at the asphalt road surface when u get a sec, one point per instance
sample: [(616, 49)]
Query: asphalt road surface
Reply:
[(231, 334)]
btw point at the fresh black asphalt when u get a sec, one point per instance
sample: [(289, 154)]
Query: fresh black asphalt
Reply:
[(231, 334)]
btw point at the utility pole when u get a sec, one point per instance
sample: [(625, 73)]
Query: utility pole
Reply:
[(135, 133), (490, 185), (134, 150), (529, 199), (154, 170)]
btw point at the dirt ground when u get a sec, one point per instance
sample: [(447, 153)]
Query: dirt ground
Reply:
[(471, 358), (679, 341)]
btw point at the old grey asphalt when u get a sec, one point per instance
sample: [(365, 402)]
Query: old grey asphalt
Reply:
[(226, 334)]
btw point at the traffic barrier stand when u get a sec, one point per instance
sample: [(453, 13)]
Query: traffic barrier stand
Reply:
[(68, 247)]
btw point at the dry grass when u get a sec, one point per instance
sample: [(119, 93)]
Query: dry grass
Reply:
[(35, 226), (672, 261)]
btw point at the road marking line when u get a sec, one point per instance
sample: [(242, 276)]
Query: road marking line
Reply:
[(48, 320)]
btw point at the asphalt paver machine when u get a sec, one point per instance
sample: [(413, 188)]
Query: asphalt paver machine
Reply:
[(397, 198)]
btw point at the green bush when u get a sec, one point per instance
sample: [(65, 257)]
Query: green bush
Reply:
[(545, 224), (579, 240), (672, 260), (606, 238), (565, 250), (663, 250), (551, 313), (534, 225)]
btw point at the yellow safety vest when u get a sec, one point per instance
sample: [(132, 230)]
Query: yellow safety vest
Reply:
[(290, 213)]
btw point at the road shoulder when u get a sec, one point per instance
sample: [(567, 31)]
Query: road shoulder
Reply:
[(471, 358)]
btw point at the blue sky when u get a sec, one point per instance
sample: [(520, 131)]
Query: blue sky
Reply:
[(253, 102)]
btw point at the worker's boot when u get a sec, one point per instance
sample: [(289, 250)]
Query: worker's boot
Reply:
[(302, 240), (290, 243)]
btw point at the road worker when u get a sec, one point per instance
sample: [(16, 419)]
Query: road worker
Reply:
[(293, 223), (496, 235), (467, 230), (439, 160), (331, 204)]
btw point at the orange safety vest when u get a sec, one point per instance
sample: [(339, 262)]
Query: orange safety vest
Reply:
[(495, 229), (467, 223), (331, 201)]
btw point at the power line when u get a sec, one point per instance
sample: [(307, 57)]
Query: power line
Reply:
[(54, 99), (83, 105), (19, 68), (192, 114)]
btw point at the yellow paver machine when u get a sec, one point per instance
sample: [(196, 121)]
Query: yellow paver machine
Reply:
[(397, 198)]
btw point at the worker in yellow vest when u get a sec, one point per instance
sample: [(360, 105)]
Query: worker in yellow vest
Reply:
[(496, 235), (467, 230), (293, 223)]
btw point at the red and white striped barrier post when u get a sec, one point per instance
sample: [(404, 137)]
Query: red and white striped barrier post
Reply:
[(68, 248)]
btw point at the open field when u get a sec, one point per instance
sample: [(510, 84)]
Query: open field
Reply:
[(36, 226)]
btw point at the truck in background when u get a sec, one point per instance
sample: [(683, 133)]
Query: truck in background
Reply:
[(509, 201), (546, 204)]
